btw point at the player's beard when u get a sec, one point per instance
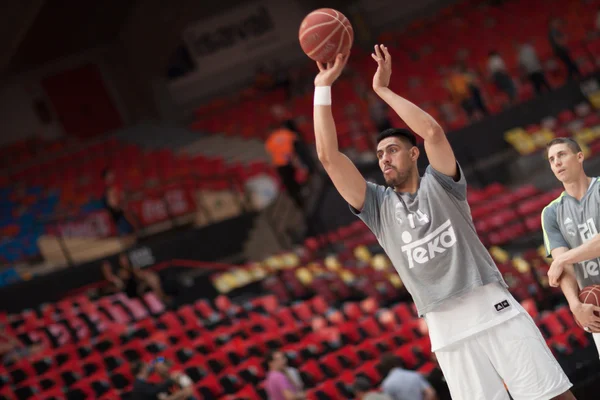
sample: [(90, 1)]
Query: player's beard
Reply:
[(397, 178)]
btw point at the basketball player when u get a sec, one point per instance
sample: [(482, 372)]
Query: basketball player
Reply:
[(570, 224), (481, 336)]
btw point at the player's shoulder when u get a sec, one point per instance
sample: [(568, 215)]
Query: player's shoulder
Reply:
[(553, 205), (376, 187)]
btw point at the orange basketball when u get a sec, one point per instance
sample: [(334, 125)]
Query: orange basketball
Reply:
[(590, 295), (325, 33)]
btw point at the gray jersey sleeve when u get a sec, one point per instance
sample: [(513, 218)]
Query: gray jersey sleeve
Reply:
[(553, 238), (457, 188), (370, 214)]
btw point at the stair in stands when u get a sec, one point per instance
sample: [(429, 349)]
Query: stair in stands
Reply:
[(273, 229)]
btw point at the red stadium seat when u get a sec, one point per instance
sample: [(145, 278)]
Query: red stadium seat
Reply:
[(370, 327), (403, 312), (566, 317), (353, 311), (550, 325), (367, 350), (311, 372), (302, 311)]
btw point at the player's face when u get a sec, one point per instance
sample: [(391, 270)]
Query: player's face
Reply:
[(396, 160), (566, 164)]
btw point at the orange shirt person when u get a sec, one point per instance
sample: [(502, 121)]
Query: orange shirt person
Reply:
[(281, 146)]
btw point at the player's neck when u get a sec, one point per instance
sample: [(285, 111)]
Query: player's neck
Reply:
[(409, 186), (578, 188)]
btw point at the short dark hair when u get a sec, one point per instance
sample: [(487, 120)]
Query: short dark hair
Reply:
[(136, 368), (388, 362), (571, 143), (361, 385), (400, 133)]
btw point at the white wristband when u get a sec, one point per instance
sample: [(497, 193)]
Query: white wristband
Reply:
[(322, 96)]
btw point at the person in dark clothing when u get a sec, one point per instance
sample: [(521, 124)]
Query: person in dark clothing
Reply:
[(112, 199), (134, 282), (180, 386), (144, 390), (500, 77), (558, 41), (532, 67)]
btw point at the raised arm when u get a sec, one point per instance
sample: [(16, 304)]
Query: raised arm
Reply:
[(345, 176), (440, 154)]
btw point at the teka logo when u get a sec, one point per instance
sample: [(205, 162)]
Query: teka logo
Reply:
[(427, 248), (569, 227)]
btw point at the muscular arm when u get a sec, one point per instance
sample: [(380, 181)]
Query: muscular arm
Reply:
[(438, 149), (345, 176), (568, 282), (587, 251)]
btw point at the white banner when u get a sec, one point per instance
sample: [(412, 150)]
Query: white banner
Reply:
[(242, 35)]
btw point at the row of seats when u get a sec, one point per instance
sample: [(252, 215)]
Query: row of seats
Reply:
[(329, 338), (72, 185), (582, 124), (426, 51)]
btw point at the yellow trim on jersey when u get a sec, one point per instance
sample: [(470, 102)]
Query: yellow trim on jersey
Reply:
[(546, 240)]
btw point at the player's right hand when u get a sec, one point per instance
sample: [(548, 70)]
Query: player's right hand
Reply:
[(584, 313), (329, 72), (554, 273)]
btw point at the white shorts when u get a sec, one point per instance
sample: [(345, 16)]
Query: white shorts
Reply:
[(597, 341), (513, 352)]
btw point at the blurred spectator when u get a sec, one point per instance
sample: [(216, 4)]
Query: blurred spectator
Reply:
[(465, 91), (532, 67), (281, 145), (378, 111), (179, 385), (558, 41), (114, 203), (475, 87), (142, 389), (294, 376), (285, 119), (278, 384), (12, 350), (401, 384), (500, 77), (134, 282), (363, 391)]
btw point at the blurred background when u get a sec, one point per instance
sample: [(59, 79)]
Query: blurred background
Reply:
[(145, 210)]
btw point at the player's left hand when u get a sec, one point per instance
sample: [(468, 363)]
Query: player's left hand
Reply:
[(382, 76), (555, 272)]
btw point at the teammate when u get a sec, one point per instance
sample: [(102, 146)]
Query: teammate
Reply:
[(479, 333), (570, 224)]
